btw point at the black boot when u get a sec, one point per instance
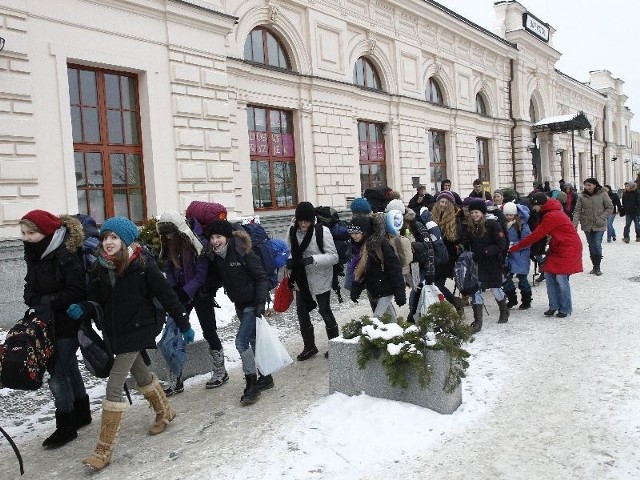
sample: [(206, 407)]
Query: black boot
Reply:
[(596, 265), (251, 391), (504, 311), (476, 326), (310, 348), (526, 301), (65, 430), (81, 412), (512, 298), (264, 382)]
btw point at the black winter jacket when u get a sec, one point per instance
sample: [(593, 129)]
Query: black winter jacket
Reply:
[(130, 320), (488, 252), (631, 202), (59, 276), (240, 273)]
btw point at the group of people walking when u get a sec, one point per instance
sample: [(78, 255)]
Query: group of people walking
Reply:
[(501, 231)]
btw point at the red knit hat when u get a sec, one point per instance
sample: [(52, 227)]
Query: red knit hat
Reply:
[(46, 222)]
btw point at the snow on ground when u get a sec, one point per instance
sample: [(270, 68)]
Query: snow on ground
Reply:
[(544, 398)]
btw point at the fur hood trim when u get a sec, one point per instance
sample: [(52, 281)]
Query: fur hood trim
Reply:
[(75, 233)]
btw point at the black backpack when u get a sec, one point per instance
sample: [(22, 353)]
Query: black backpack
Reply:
[(27, 353), (97, 355), (465, 273)]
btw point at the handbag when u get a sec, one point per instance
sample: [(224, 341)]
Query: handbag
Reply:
[(271, 355), (173, 347), (283, 296), (96, 352)]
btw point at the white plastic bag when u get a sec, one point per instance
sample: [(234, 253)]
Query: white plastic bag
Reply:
[(429, 294), (271, 355)]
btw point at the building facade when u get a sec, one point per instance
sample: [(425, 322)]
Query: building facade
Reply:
[(132, 107)]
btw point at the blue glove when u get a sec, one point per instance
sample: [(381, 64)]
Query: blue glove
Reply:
[(75, 311), (188, 336)]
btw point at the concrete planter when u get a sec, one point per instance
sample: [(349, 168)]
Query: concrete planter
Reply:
[(346, 377)]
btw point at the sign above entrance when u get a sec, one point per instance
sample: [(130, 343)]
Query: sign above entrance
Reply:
[(536, 26)]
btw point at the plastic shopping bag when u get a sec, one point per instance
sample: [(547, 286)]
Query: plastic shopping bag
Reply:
[(428, 295), (271, 355)]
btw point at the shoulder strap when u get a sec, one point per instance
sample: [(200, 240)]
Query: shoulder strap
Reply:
[(320, 237)]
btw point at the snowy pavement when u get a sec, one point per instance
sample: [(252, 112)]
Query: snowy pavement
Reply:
[(545, 398)]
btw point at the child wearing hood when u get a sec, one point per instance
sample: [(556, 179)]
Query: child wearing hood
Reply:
[(519, 262), (376, 266), (55, 279), (186, 270)]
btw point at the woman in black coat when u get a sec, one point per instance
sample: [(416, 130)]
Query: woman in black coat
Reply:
[(121, 297), (378, 268), (486, 239), (55, 279), (237, 268)]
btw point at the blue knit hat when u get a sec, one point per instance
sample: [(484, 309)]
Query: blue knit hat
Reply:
[(121, 226), (361, 205)]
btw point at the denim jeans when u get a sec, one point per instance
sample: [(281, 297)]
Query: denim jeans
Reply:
[(66, 383), (629, 219), (611, 231), (383, 305), (203, 304), (246, 339), (559, 292), (594, 240), (497, 293)]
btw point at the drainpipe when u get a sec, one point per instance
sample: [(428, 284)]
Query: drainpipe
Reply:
[(513, 128), (604, 141)]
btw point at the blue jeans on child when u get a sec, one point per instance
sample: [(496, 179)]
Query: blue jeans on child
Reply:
[(559, 292)]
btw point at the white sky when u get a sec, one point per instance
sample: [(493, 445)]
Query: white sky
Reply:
[(590, 35)]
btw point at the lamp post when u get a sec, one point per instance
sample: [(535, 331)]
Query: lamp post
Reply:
[(573, 153)]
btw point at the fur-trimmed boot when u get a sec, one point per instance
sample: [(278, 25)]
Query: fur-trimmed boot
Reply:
[(160, 403), (504, 311), (107, 435), (512, 298), (476, 326), (219, 373)]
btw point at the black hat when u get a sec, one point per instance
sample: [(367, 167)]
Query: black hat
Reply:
[(478, 205), (306, 211), (592, 181), (360, 224), (220, 227), (539, 198)]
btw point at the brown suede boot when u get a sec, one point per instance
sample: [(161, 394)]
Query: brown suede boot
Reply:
[(107, 436), (160, 404)]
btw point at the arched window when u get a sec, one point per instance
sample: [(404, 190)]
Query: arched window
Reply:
[(434, 92), (532, 112), (481, 106), (366, 75), (262, 46)]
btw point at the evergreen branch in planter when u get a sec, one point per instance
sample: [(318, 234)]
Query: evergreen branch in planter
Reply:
[(401, 347)]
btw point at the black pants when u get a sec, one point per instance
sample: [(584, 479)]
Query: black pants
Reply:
[(203, 304), (304, 317)]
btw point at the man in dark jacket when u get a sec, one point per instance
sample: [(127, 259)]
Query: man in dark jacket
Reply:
[(617, 207), (479, 191), (631, 209), (445, 186), (421, 199)]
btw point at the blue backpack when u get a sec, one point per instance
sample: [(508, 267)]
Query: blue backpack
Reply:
[(262, 246), (282, 251)]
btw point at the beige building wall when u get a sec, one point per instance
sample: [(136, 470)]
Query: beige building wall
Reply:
[(194, 89)]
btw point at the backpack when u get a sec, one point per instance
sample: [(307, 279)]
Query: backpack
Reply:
[(328, 216), (282, 251), (96, 352), (465, 272), (262, 246), (26, 353), (378, 197), (205, 212), (89, 248)]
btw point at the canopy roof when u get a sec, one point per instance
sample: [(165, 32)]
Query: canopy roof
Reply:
[(563, 123)]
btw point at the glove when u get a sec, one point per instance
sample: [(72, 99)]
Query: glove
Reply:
[(188, 335), (289, 264), (307, 261), (182, 295), (401, 301), (259, 309), (75, 311)]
